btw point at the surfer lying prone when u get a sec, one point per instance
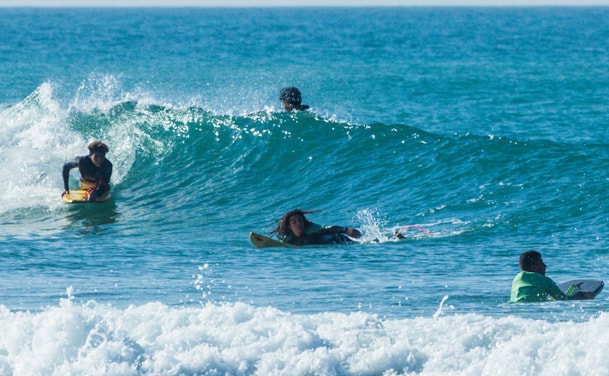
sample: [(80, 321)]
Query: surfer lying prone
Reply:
[(295, 228), (95, 171)]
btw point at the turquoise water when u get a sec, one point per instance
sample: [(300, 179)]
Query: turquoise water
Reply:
[(485, 127)]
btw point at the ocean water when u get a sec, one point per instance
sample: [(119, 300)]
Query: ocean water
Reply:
[(486, 128)]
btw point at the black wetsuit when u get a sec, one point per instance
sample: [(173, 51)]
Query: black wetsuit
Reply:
[(89, 173), (316, 234)]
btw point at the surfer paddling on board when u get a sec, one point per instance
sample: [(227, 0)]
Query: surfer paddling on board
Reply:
[(291, 99), (531, 284), (95, 171), (295, 228)]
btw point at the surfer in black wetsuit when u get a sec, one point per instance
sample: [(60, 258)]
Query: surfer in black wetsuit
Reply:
[(295, 228), (291, 99), (95, 171)]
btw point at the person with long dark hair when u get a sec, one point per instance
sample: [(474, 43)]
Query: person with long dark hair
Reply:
[(295, 228)]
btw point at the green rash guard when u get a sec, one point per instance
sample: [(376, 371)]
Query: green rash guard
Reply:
[(534, 287)]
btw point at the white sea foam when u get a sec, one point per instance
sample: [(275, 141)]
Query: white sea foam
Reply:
[(239, 339), (31, 137), (37, 136)]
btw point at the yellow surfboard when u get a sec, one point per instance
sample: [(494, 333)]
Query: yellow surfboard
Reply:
[(78, 196), (261, 241)]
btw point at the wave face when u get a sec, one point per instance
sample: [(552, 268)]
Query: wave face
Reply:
[(201, 168), (480, 133)]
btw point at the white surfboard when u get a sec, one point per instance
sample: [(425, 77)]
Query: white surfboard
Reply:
[(582, 289)]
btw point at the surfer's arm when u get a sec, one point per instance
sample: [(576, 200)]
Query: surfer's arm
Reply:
[(559, 296), (103, 184), (66, 174), (352, 232), (555, 292), (106, 173)]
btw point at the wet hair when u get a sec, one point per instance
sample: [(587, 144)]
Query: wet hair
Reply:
[(529, 259), (283, 228), (291, 95), (97, 147)]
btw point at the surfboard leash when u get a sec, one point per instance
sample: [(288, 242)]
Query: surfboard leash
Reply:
[(399, 232)]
